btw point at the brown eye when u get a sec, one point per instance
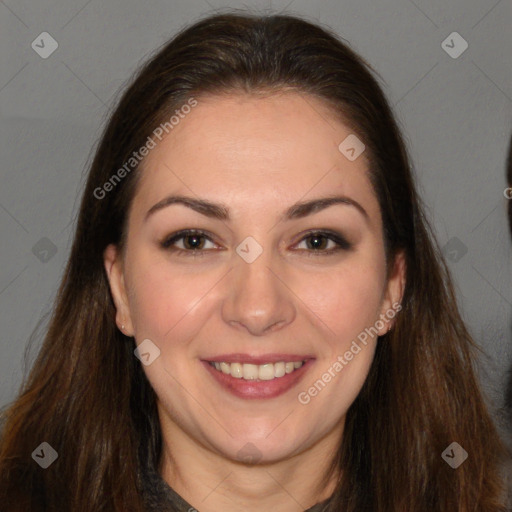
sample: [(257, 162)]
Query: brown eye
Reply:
[(192, 242), (317, 242)]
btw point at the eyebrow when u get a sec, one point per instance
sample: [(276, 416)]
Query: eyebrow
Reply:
[(221, 211)]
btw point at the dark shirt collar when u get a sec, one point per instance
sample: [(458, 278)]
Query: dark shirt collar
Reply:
[(160, 497)]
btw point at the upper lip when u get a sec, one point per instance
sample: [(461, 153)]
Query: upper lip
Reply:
[(257, 359)]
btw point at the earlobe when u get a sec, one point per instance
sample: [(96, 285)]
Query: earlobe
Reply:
[(114, 269), (394, 292)]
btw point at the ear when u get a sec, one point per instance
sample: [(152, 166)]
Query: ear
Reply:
[(393, 293), (114, 268)]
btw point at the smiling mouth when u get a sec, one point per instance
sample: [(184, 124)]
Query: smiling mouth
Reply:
[(257, 372)]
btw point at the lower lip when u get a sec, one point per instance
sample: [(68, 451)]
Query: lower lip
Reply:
[(258, 389)]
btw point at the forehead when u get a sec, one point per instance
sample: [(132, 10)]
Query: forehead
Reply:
[(247, 148)]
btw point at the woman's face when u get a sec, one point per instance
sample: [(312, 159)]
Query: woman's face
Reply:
[(255, 285)]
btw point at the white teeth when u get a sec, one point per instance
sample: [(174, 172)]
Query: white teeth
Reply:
[(279, 369), (237, 370), (267, 371), (250, 371)]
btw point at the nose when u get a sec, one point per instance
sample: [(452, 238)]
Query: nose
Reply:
[(258, 300)]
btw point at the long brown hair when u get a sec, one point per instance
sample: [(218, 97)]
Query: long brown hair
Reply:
[(87, 395)]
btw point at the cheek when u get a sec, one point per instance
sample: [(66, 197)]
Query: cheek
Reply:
[(346, 300), (166, 302), (333, 388)]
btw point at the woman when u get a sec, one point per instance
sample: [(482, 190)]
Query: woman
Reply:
[(254, 313)]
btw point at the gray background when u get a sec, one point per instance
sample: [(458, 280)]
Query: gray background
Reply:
[(455, 114)]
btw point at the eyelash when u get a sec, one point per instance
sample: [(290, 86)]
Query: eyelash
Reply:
[(342, 244)]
